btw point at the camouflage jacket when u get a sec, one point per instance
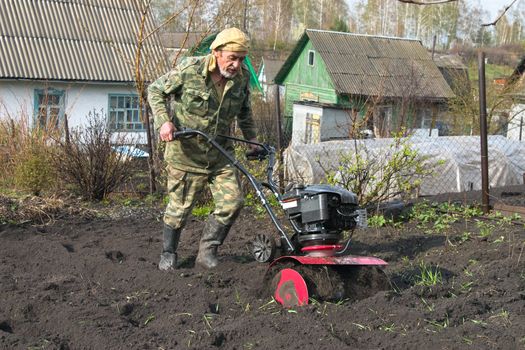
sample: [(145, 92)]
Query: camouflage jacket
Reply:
[(197, 105)]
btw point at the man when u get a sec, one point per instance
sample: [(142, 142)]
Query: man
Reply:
[(209, 93)]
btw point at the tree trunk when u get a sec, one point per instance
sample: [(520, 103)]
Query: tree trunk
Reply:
[(151, 160)]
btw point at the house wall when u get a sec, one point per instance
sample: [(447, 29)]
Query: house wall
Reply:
[(305, 82), (17, 100), (317, 123)]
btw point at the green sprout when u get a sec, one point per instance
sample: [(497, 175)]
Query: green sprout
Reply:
[(428, 276)]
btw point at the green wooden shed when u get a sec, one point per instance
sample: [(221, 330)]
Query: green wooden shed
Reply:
[(386, 78)]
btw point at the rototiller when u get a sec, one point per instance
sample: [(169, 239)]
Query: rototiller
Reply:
[(313, 261)]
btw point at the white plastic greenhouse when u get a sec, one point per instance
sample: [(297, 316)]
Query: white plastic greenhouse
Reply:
[(459, 159)]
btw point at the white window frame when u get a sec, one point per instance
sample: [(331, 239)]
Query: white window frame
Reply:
[(124, 113), (44, 108), (311, 58)]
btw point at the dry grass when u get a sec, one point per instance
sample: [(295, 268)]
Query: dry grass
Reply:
[(25, 154), (40, 211)]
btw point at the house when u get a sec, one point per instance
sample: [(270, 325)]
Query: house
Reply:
[(377, 83), (516, 86), (266, 74), (69, 58)]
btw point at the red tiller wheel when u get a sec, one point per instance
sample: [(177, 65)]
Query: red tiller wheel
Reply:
[(291, 288)]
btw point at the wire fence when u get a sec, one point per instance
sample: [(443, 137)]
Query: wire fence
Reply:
[(319, 142)]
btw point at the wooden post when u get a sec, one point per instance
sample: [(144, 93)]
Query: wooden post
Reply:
[(66, 131), (483, 134)]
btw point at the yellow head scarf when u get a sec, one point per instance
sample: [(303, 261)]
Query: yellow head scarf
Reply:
[(230, 39)]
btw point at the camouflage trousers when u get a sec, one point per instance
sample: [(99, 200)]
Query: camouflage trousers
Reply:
[(183, 186)]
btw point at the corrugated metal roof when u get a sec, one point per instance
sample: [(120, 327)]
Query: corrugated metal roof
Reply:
[(381, 66), (449, 62), (374, 65), (88, 40)]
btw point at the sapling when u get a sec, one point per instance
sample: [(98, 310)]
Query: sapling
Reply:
[(375, 178)]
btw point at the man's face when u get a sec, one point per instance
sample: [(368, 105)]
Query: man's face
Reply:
[(229, 62)]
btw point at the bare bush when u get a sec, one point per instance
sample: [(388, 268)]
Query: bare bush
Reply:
[(87, 159), (264, 116)]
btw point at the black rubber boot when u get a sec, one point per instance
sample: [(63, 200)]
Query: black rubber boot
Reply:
[(213, 236), (168, 258)]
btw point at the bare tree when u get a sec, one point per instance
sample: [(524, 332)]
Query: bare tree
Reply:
[(415, 2), (493, 23)]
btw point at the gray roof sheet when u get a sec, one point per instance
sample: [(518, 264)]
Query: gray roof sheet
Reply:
[(449, 61), (375, 65), (89, 40)]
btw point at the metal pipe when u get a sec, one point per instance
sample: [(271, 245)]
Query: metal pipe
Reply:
[(521, 127), (433, 46), (279, 135), (483, 133)]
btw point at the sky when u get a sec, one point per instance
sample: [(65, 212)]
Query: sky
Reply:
[(494, 7)]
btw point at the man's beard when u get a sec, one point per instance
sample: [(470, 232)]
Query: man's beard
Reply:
[(227, 74)]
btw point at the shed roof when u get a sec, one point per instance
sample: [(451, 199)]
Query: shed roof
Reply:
[(373, 65), (67, 40), (449, 61)]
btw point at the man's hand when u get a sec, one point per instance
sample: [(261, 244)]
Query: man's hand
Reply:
[(255, 151), (254, 148), (166, 131)]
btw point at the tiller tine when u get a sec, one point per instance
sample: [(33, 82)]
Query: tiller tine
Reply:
[(295, 279)]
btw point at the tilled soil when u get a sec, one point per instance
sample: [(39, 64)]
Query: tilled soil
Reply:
[(93, 283)]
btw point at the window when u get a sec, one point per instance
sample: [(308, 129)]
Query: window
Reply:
[(124, 113), (49, 108), (311, 57)]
